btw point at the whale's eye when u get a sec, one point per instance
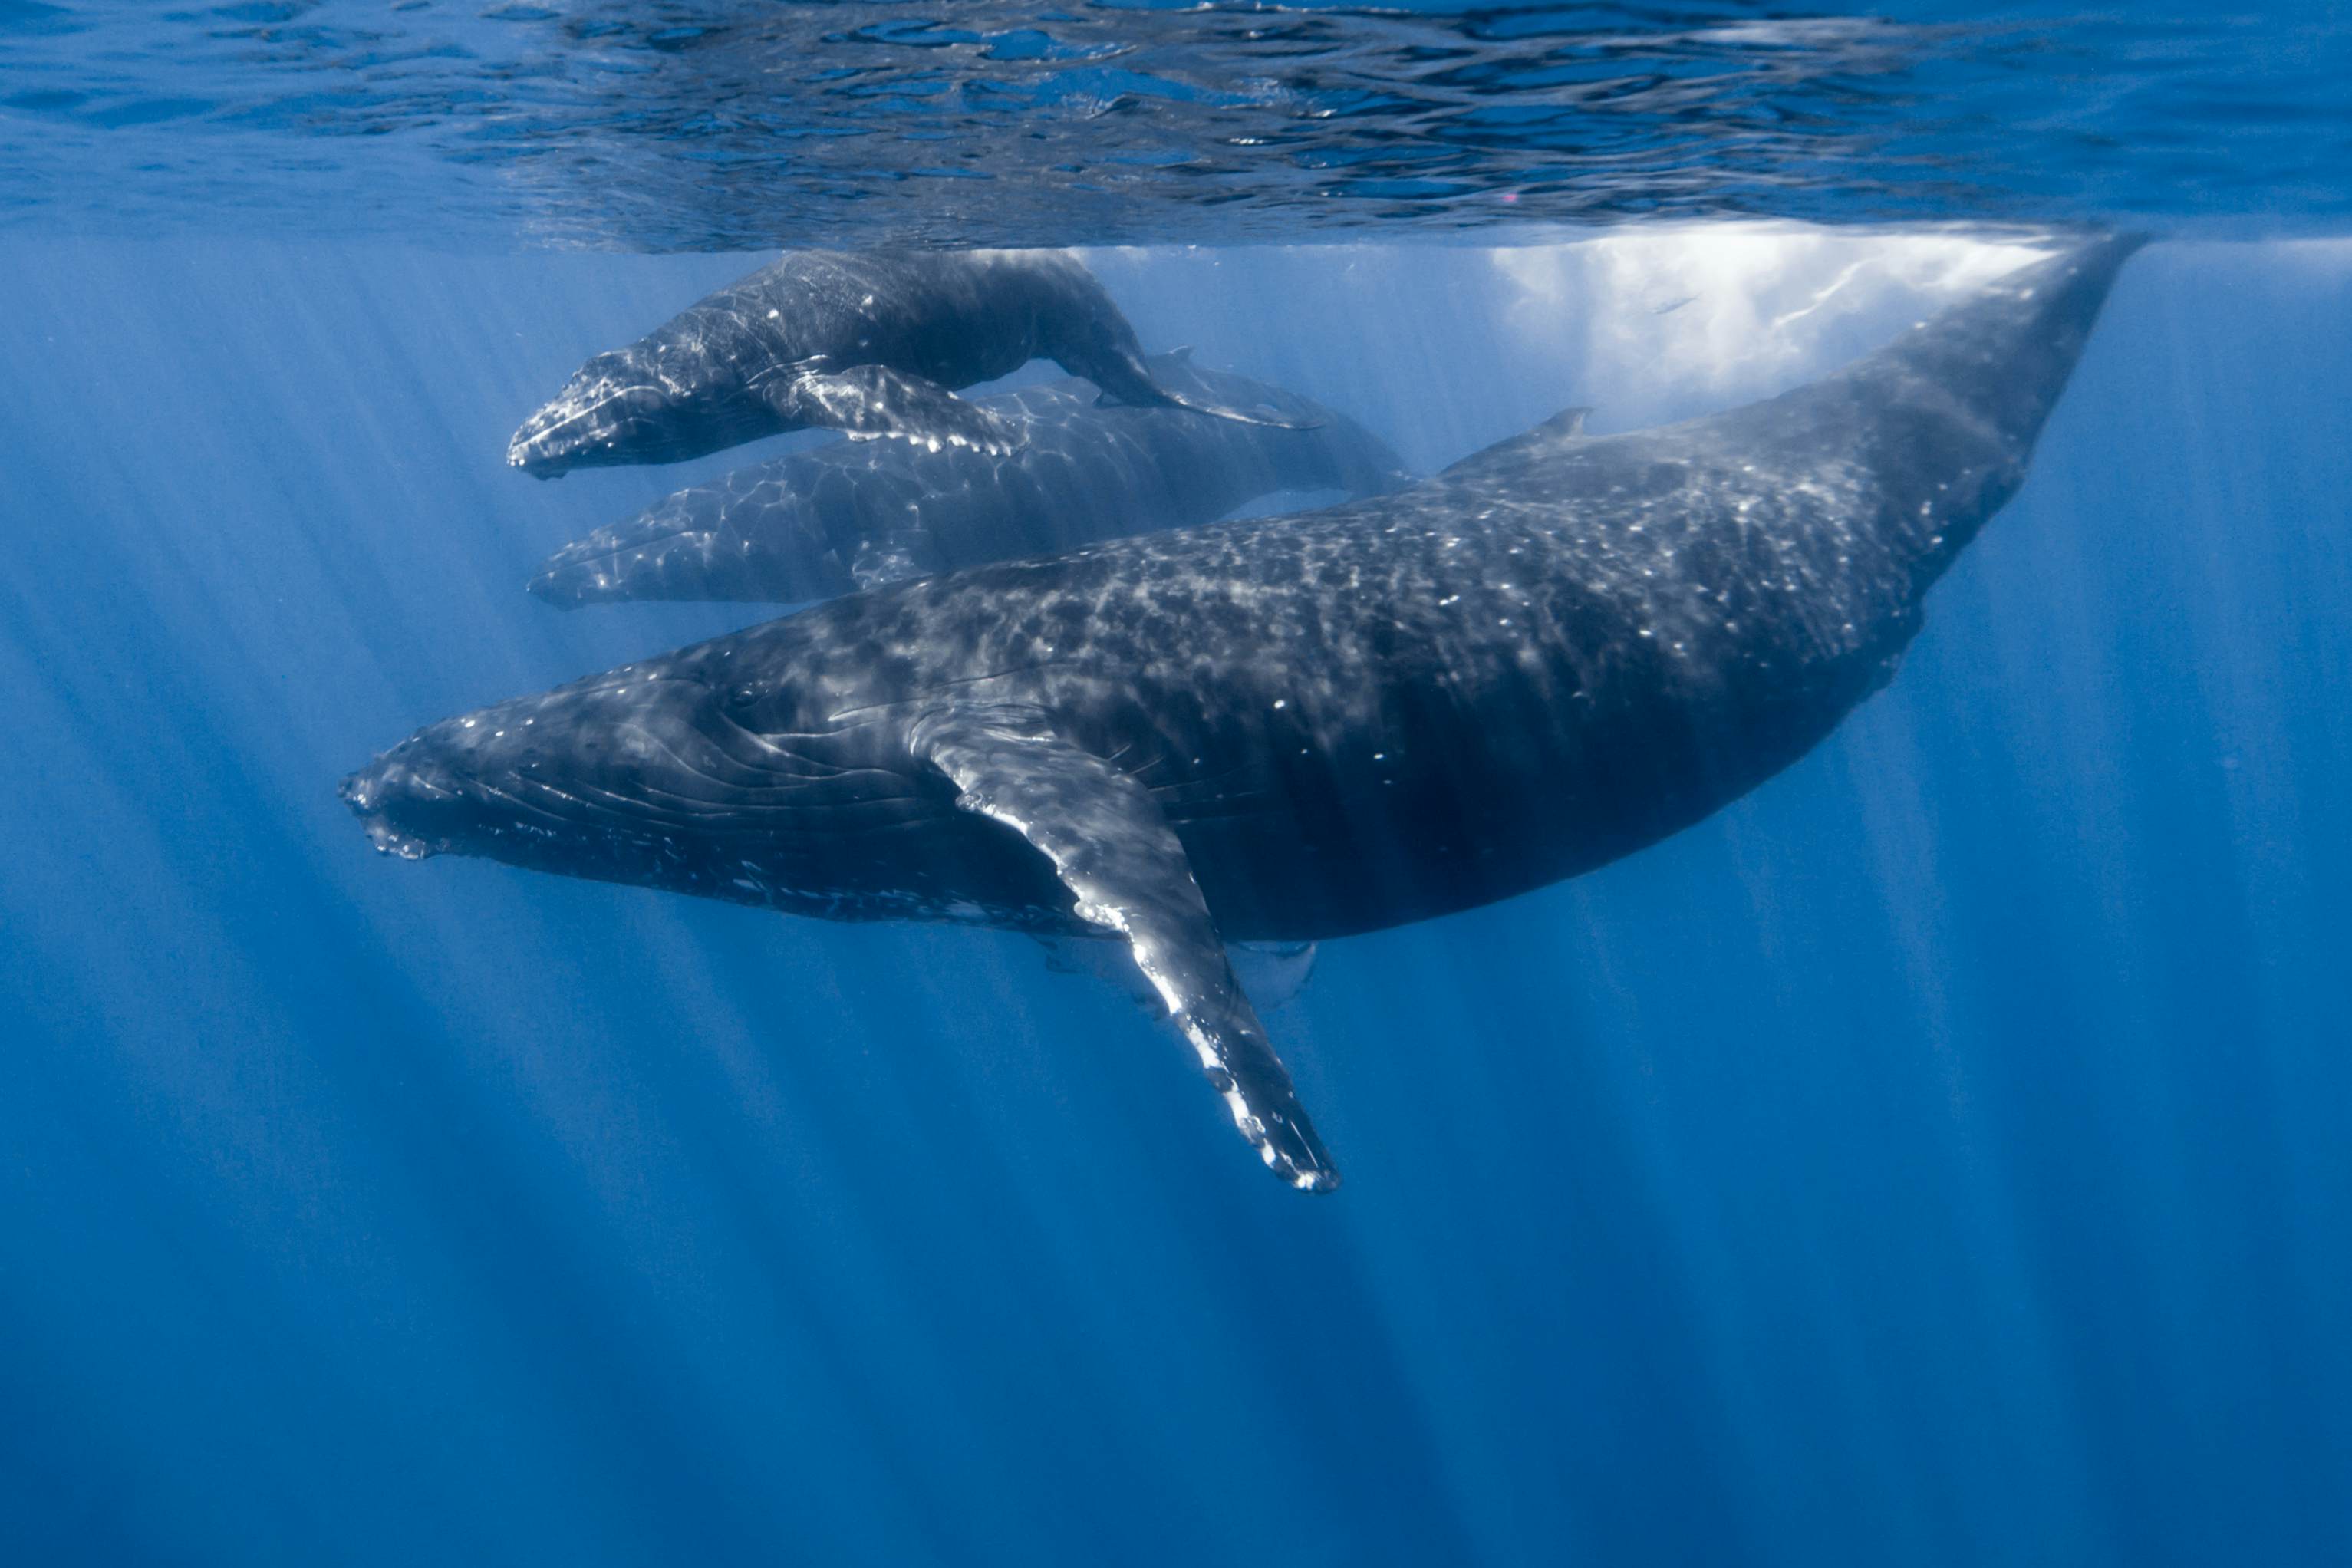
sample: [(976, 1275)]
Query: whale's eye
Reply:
[(742, 695)]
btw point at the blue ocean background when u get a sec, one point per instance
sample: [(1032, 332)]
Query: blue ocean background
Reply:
[(1938, 1157)]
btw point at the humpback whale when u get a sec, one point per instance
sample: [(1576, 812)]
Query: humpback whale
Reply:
[(873, 343), (1557, 652), (856, 514)]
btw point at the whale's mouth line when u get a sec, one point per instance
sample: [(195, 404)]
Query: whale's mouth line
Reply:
[(528, 437), (572, 556)]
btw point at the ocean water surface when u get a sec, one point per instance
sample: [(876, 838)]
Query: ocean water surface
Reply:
[(1937, 1157)]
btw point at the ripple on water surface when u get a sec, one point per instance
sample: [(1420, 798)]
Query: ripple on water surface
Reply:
[(708, 125)]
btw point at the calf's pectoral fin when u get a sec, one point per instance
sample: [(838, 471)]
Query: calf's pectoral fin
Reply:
[(874, 400), (1122, 863)]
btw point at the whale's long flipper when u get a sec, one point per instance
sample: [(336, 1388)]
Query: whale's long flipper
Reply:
[(1272, 973), (875, 400), (1119, 856)]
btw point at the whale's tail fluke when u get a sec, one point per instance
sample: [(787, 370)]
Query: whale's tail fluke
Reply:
[(1239, 417)]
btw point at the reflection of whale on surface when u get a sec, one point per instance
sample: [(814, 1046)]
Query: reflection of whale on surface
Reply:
[(873, 343), (856, 514), (1559, 650)]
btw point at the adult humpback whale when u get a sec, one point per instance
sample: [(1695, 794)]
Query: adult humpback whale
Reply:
[(1557, 652), (856, 514), (872, 344)]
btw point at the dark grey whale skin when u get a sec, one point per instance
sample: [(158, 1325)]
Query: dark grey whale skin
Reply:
[(855, 514), (1559, 650), (872, 343)]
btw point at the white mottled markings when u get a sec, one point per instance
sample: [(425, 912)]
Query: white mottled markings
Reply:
[(1127, 873)]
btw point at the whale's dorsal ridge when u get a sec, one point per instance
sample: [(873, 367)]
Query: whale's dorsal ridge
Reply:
[(1122, 863), (1566, 422)]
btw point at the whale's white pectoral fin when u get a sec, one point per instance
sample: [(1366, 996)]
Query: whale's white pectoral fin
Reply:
[(1272, 973), (1124, 865), (875, 400)]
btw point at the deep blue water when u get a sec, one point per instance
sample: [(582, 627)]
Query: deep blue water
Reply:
[(1938, 1157)]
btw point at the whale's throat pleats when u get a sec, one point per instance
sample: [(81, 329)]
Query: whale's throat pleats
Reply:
[(1127, 871)]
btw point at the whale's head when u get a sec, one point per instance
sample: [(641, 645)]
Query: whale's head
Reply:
[(664, 399), (604, 777), (672, 773), (526, 781)]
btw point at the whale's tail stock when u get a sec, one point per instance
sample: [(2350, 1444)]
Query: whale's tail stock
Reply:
[(2009, 352), (1128, 382), (1240, 416)]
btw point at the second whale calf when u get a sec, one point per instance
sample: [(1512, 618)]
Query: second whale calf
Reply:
[(857, 515), (873, 343)]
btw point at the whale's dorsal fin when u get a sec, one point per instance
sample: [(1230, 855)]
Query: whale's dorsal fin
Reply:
[(1123, 864), (867, 400), (1566, 422)]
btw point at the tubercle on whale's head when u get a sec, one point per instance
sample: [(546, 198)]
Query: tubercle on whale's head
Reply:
[(529, 780)]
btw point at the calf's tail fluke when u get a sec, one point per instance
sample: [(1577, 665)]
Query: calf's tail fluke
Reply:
[(1134, 385), (1238, 415)]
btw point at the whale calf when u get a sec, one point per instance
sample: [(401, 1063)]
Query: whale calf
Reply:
[(858, 514), (1557, 652), (873, 343)]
